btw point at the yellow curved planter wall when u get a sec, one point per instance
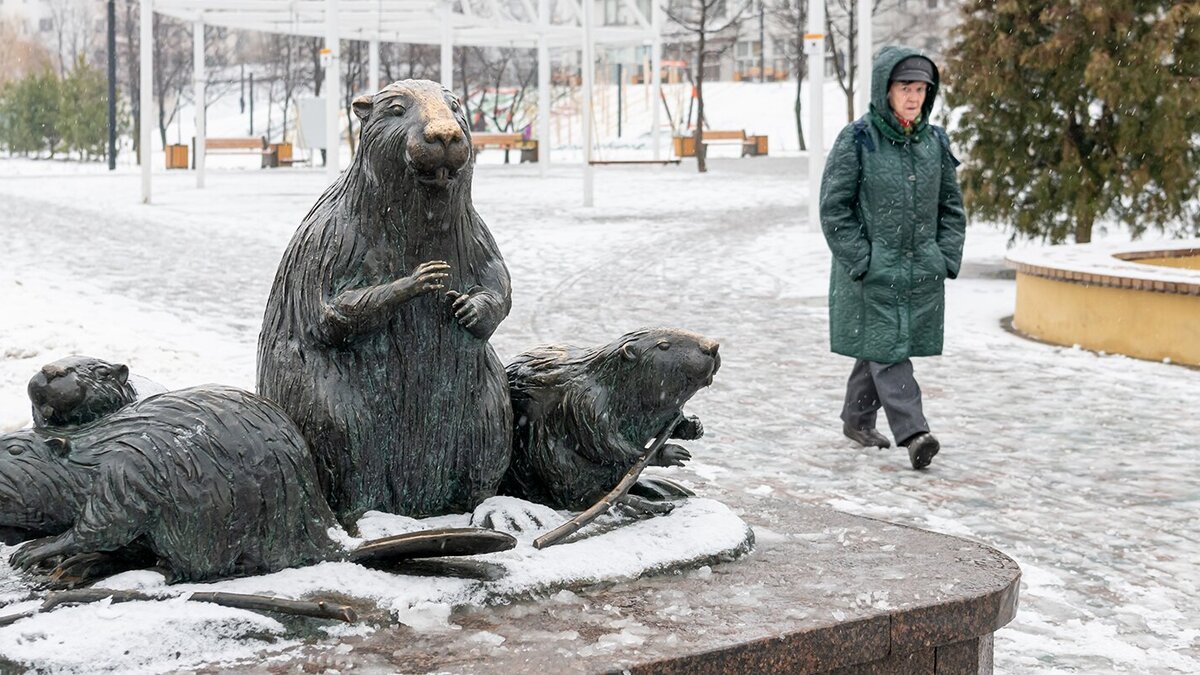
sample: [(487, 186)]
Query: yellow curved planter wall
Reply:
[(1139, 323), (1191, 262)]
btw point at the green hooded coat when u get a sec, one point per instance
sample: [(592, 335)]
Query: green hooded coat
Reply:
[(894, 221)]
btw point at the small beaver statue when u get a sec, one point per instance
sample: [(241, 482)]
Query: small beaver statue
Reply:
[(582, 416), (375, 334), (76, 390), (210, 481)]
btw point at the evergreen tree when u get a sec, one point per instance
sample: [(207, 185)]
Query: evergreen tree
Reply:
[(43, 93), (1073, 111), (84, 110), (30, 110)]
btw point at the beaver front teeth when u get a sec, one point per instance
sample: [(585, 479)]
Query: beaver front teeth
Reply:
[(441, 176)]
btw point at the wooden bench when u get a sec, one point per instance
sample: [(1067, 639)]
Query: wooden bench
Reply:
[(280, 154), (252, 145), (528, 148), (752, 145)]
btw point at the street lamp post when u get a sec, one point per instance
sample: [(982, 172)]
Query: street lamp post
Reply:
[(112, 85)]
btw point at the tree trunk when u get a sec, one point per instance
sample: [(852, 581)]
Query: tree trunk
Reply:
[(133, 64), (701, 150), (465, 99), (799, 117), (801, 73), (1083, 228), (162, 119), (851, 59), (318, 71)]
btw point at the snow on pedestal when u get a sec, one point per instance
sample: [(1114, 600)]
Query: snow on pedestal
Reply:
[(174, 634)]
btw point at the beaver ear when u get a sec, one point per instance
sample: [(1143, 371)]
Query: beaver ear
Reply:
[(60, 446), (121, 372), (362, 107), (628, 352)]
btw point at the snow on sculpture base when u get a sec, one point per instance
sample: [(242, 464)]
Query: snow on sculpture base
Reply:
[(175, 634)]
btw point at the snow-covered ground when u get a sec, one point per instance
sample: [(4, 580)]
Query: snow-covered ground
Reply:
[(1080, 466)]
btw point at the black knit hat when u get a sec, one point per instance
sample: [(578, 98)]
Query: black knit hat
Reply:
[(913, 69)]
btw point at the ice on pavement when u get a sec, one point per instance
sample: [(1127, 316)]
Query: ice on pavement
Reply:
[(1080, 466)]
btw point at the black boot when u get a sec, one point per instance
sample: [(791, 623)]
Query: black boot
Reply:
[(921, 449), (866, 437)]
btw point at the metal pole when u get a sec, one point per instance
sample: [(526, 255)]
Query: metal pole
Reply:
[(198, 81), (543, 57), (373, 66), (447, 49), (620, 88), (588, 64), (814, 45), (112, 85), (332, 90), (146, 33), (865, 53), (656, 16), (251, 104)]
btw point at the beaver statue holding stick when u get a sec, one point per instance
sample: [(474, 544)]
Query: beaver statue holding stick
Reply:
[(583, 415), (375, 336)]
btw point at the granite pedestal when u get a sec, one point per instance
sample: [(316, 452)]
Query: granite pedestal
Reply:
[(823, 592)]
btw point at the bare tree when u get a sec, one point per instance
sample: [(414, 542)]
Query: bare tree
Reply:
[(715, 29), (172, 69), (74, 30), (843, 29), (841, 25), (464, 80), (217, 59), (354, 82), (313, 47), (506, 74), (129, 22), (284, 55), (790, 17), (409, 61), (502, 69)]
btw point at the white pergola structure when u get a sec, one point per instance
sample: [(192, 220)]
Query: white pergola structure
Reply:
[(535, 24)]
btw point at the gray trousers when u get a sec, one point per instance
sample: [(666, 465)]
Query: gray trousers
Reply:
[(890, 386)]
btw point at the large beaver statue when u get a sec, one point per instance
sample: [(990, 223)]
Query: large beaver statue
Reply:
[(582, 416), (375, 336), (215, 481)]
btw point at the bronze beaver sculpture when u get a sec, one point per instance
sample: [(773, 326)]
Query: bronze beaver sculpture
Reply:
[(375, 335), (77, 390), (207, 482), (215, 481), (582, 416)]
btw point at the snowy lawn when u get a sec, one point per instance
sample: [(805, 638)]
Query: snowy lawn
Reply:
[(1080, 466)]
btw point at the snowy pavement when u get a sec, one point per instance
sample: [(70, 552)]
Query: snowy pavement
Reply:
[(1080, 466)]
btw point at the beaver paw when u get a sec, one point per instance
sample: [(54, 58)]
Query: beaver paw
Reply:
[(639, 506), (83, 568), (672, 455), (41, 552), (514, 516), (688, 429)]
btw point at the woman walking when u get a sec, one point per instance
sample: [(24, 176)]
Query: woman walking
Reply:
[(892, 213)]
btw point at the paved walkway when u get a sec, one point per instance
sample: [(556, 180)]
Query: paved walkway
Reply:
[(1080, 466)]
